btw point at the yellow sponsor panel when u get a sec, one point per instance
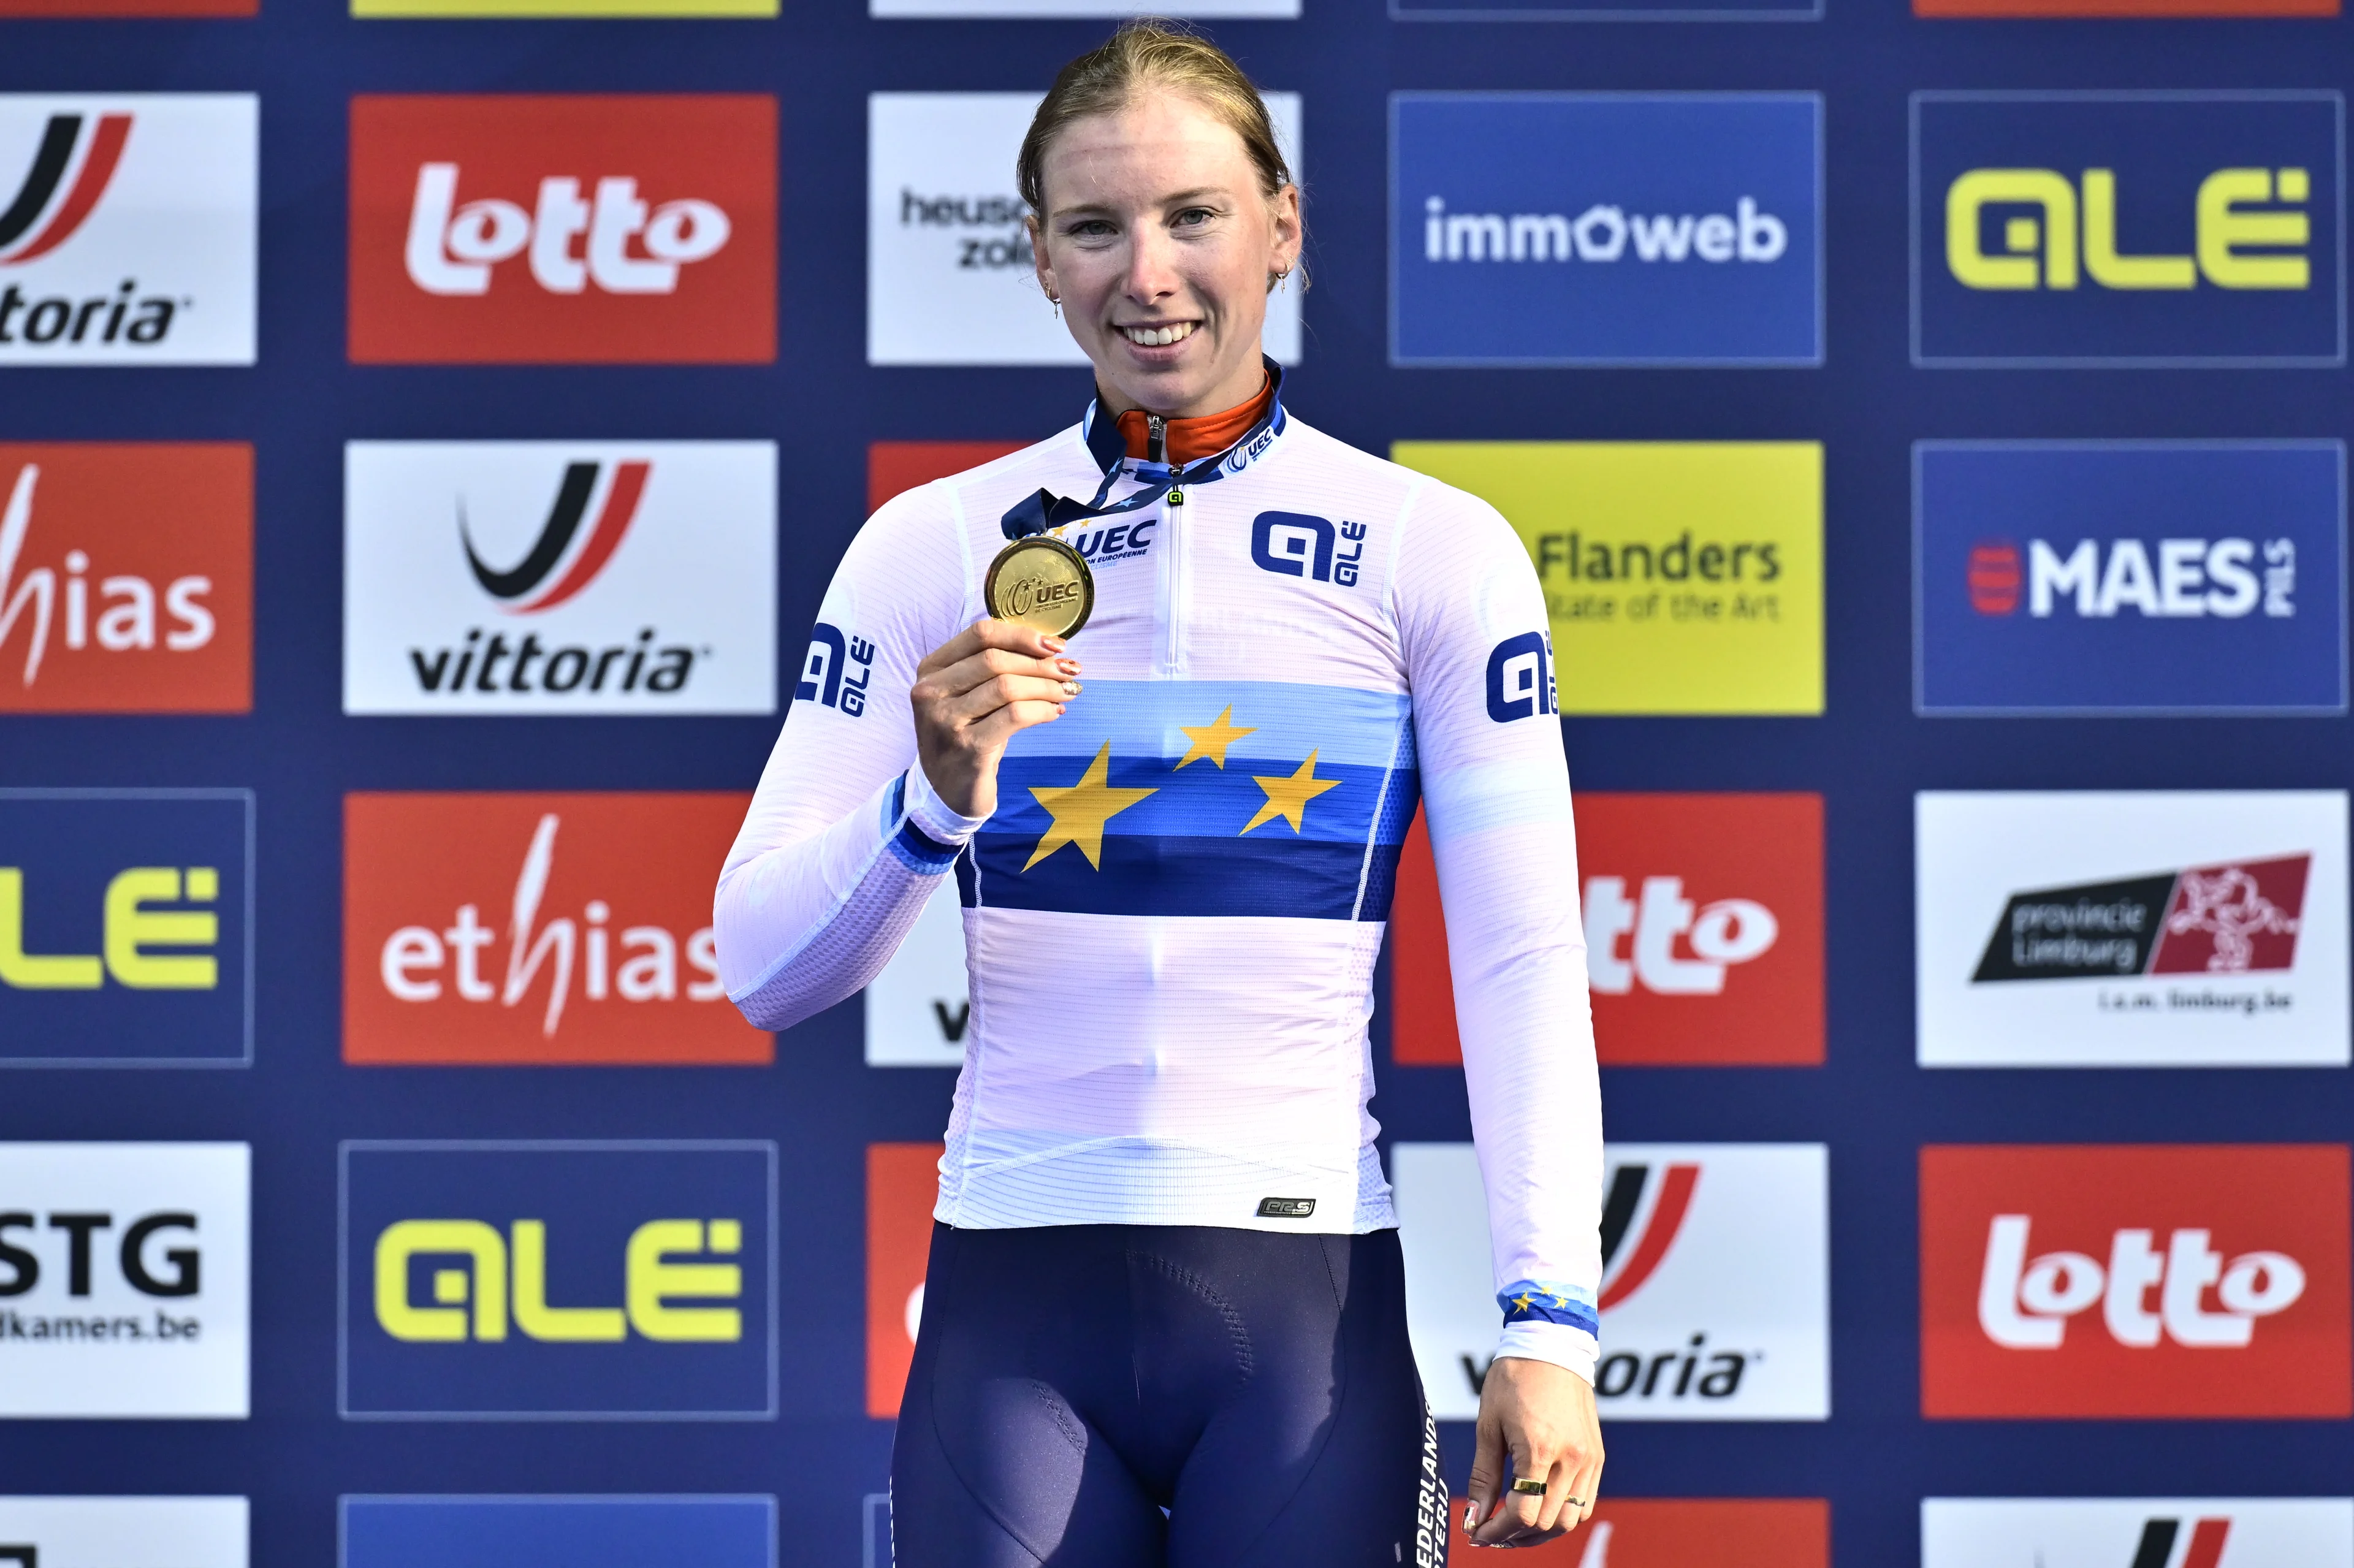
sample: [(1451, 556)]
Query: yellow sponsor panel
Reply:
[(1682, 576), (564, 8)]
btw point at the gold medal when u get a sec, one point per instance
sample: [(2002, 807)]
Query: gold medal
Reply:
[(1041, 582)]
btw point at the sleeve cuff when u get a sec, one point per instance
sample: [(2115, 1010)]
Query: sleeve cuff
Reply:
[(1556, 1342), (933, 817)]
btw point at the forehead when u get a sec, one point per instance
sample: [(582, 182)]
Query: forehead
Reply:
[(1159, 143)]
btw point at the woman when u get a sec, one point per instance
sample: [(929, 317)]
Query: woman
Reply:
[(1163, 1317)]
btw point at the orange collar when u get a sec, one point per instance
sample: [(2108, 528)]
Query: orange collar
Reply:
[(1205, 435)]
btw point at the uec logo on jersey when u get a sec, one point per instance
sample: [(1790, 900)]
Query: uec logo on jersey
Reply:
[(1519, 678), (2127, 227)]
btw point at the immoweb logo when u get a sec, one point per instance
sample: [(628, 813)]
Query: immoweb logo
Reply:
[(1603, 233)]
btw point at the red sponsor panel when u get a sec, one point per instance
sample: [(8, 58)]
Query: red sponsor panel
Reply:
[(902, 1184), (2124, 7), (1703, 929), (11, 9), (126, 577), (552, 929), (575, 229), (2135, 1281), (1679, 1532), (893, 467)]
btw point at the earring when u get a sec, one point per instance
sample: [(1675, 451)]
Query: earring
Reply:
[(1057, 301)]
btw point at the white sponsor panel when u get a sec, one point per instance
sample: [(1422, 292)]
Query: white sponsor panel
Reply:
[(123, 1532), (127, 227), (948, 275), (124, 1279), (1279, 10), (559, 577), (2144, 928), (2136, 1532), (917, 1008), (1716, 1284)]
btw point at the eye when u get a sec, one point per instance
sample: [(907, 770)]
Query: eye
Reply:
[(1089, 228), (1193, 218)]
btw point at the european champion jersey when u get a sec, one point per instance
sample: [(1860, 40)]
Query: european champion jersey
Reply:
[(1172, 916)]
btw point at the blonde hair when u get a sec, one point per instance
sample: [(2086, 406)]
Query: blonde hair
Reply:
[(1149, 52)]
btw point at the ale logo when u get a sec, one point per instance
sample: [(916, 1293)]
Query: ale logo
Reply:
[(2130, 1282), (599, 947), (564, 230), (126, 577), (2138, 1532), (2126, 228), (559, 1281)]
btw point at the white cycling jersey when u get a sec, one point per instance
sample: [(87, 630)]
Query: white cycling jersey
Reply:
[(1172, 916)]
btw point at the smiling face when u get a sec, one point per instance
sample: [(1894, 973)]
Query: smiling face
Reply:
[(1160, 238)]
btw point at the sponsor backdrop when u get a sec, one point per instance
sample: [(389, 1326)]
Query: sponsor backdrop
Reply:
[(432, 425)]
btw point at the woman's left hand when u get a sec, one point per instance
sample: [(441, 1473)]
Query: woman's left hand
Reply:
[(1543, 1416)]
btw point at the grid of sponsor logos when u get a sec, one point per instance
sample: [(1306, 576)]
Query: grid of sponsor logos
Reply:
[(426, 448)]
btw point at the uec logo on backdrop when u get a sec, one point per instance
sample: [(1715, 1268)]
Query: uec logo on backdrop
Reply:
[(2141, 228), (1605, 229), (2130, 577), (559, 1281)]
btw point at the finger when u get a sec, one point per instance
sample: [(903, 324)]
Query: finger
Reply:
[(992, 732), (1486, 1474), (1000, 690), (1011, 636), (987, 663)]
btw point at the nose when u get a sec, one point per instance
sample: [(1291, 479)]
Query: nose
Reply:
[(1152, 265)]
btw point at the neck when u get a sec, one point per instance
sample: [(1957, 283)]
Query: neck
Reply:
[(1184, 440)]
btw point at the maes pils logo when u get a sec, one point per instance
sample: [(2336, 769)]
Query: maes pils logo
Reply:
[(559, 929), (123, 1280), (123, 1532), (1703, 933), (2135, 1281), (578, 229), (127, 228), (559, 1281), (2144, 928), (559, 576), (2138, 1532), (126, 577), (1716, 1284)]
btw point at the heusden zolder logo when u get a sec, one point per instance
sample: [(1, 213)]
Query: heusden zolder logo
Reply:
[(2135, 1281), (1679, 1532), (559, 576), (2138, 1532), (537, 928), (1716, 1284), (2128, 229), (559, 1281), (589, 1530), (2129, 576), (123, 1532), (573, 230), (127, 228), (2145, 929), (126, 927), (1680, 576), (1703, 934), (126, 577), (1605, 229), (124, 1279)]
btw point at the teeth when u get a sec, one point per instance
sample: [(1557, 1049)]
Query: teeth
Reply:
[(1158, 337)]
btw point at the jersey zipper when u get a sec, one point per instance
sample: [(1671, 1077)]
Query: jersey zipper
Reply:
[(1173, 520)]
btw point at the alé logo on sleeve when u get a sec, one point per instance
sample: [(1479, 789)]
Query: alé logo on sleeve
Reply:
[(559, 1281), (126, 577), (2128, 227), (564, 230), (127, 228), (521, 928), (1682, 1532), (2138, 1532), (2135, 1281), (1703, 933)]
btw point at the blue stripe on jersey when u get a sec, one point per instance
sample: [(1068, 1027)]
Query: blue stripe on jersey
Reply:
[(1544, 1301), (916, 850), (1205, 798)]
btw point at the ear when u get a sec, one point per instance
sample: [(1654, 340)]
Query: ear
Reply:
[(1038, 262), (1290, 233)]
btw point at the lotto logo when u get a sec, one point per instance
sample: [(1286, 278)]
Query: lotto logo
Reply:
[(2138, 1532), (1682, 1533), (1703, 934), (563, 229), (2127, 1281), (606, 953)]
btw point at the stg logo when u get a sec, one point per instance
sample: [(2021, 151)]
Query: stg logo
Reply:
[(451, 248), (2025, 1305)]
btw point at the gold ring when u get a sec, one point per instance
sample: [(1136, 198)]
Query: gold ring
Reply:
[(1575, 1502), (1528, 1486)]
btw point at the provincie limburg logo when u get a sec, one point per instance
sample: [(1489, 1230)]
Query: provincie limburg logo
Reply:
[(2229, 919), (559, 577)]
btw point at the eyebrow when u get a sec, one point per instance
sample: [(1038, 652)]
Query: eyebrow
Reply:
[(1197, 194)]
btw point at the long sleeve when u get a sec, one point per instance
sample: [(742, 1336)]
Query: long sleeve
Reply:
[(1496, 794), (845, 840)]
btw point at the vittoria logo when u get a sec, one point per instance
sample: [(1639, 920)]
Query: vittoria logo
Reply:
[(516, 230), (1682, 1533), (2138, 1532), (2049, 935), (1703, 933), (540, 577), (1701, 1319), (127, 228), (2128, 1281), (126, 577), (599, 946)]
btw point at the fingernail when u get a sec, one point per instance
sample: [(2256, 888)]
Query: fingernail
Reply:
[(1068, 666), (1055, 645), (1071, 688)]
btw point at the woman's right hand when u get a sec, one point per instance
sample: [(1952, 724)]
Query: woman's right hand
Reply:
[(972, 693)]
